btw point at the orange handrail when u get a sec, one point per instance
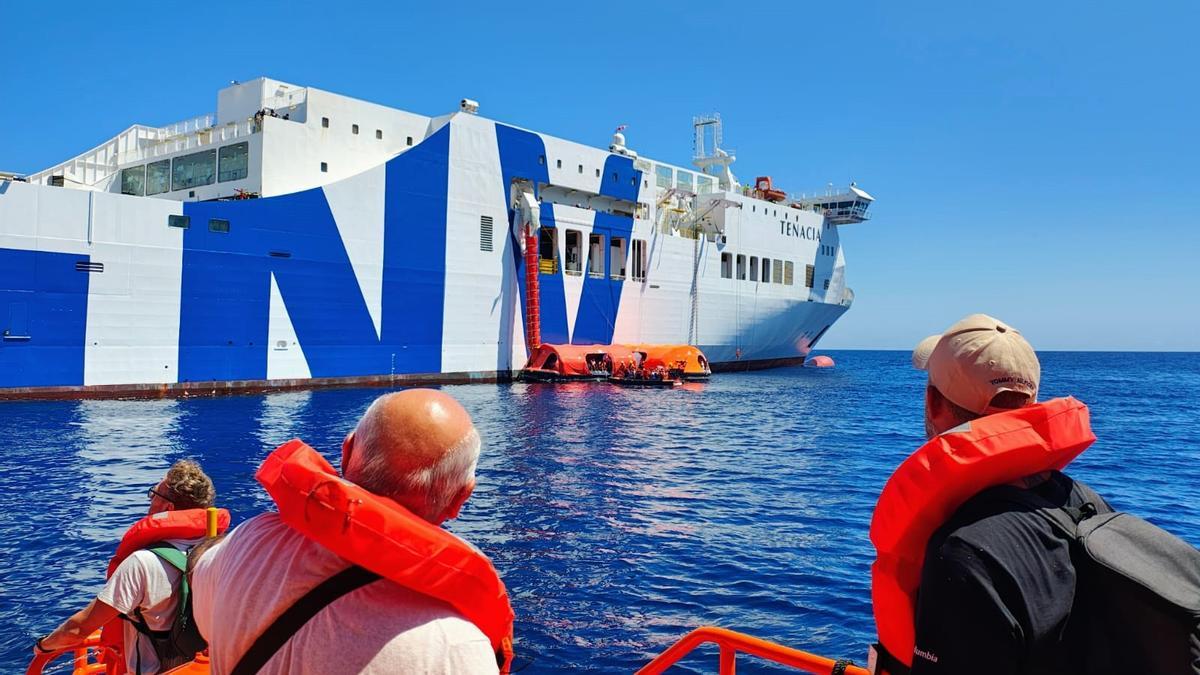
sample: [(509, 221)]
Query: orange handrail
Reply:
[(81, 652), (732, 642)]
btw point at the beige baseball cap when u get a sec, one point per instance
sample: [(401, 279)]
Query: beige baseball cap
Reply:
[(977, 358)]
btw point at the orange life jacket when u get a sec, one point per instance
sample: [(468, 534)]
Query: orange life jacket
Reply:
[(378, 534), (941, 476), (155, 528)]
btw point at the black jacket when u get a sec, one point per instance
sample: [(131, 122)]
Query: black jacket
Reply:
[(997, 589)]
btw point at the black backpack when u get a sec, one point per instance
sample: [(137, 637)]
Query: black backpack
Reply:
[(1137, 599), (182, 641)]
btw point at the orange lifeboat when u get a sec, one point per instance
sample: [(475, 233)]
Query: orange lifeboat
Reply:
[(763, 186), (566, 363), (685, 360)]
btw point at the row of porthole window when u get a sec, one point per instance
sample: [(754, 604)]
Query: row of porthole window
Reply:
[(774, 213), (408, 140), (558, 164), (766, 271), (220, 165)]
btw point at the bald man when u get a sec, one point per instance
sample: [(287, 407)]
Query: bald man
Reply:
[(417, 447)]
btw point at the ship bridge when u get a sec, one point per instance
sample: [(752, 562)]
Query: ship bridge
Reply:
[(840, 208)]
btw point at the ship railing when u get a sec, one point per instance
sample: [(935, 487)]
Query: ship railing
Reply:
[(731, 643), (287, 100), (197, 138), (188, 126)]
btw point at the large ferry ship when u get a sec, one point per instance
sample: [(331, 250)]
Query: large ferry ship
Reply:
[(298, 237)]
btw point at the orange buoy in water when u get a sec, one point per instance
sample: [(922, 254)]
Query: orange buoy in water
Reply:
[(821, 361)]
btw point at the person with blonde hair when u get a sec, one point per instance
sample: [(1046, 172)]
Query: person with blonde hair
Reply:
[(144, 589)]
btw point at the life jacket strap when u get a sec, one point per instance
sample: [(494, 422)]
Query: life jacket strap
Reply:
[(293, 618)]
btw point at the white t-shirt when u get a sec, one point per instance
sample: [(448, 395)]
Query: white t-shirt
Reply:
[(144, 581), (242, 584)]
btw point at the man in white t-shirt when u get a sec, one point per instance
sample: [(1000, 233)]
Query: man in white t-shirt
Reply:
[(143, 584), (417, 447)]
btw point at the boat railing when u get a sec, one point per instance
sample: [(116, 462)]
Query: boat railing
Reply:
[(85, 658), (731, 643)]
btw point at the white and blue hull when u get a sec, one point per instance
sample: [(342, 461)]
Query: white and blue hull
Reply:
[(381, 276)]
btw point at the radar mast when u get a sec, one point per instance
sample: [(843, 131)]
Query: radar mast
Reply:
[(707, 153)]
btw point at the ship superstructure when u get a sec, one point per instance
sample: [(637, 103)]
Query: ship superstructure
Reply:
[(299, 237)]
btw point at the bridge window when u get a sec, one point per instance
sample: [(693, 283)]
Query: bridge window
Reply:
[(683, 181), (133, 181), (766, 270), (753, 268), (726, 265), (662, 176), (704, 184), (741, 267), (182, 222), (218, 225), (485, 233), (596, 256), (639, 260), (574, 264), (232, 162), (198, 168), (616, 258), (788, 273), (547, 250), (158, 177), (809, 272)]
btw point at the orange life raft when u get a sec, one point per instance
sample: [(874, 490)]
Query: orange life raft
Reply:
[(380, 535), (941, 476)]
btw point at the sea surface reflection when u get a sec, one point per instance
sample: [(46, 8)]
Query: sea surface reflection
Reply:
[(619, 518)]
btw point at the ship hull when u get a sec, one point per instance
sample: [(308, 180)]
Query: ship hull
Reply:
[(408, 273)]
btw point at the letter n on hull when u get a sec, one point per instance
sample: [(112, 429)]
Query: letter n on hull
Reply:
[(226, 290)]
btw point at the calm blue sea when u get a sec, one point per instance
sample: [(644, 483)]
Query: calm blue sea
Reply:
[(619, 518)]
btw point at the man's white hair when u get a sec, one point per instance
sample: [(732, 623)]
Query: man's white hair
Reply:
[(429, 491)]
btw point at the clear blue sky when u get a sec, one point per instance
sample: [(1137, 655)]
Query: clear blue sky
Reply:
[(1037, 161)]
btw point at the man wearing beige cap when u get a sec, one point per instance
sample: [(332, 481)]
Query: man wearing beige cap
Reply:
[(979, 366), (997, 585)]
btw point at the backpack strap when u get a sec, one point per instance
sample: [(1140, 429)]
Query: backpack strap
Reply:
[(177, 559), (293, 618), (1065, 519)]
